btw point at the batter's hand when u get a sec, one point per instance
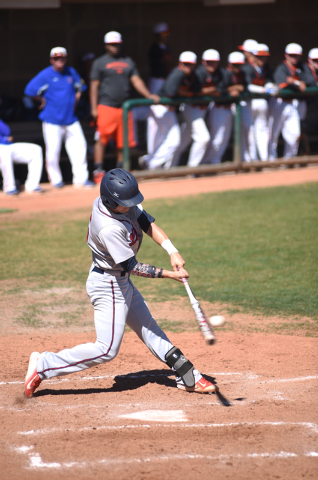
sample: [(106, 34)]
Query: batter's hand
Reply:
[(179, 275), (176, 261)]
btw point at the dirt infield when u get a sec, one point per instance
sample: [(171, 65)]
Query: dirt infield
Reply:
[(127, 419)]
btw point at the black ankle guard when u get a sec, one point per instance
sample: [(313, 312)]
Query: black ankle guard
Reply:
[(183, 367)]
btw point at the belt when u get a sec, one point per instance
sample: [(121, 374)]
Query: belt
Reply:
[(99, 270)]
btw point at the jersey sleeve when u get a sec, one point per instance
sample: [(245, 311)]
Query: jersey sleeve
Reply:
[(144, 219), (95, 73), (134, 70), (5, 131), (173, 82), (307, 76), (115, 241), (38, 85), (79, 83), (280, 76)]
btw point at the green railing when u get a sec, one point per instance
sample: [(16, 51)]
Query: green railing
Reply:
[(237, 163)]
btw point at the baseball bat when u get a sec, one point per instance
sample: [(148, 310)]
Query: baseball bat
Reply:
[(205, 326)]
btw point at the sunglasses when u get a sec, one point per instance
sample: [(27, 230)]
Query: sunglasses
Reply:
[(55, 59), (294, 55), (113, 44)]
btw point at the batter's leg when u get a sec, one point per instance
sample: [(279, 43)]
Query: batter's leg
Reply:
[(76, 147), (31, 154), (111, 298), (53, 136), (140, 320)]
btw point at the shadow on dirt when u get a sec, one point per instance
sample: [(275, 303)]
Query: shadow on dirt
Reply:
[(130, 381)]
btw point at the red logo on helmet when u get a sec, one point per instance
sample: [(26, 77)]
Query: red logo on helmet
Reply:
[(133, 236)]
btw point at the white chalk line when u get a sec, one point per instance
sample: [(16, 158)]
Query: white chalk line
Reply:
[(37, 462), (247, 377), (309, 425)]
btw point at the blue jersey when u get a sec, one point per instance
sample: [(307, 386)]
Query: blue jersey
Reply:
[(59, 90), (5, 132)]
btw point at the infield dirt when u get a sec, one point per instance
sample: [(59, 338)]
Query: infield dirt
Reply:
[(126, 419)]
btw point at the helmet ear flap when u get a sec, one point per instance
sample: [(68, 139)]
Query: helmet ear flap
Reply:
[(108, 203)]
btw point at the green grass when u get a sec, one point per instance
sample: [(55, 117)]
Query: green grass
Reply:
[(255, 250)]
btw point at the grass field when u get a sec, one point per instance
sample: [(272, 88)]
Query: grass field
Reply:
[(254, 250)]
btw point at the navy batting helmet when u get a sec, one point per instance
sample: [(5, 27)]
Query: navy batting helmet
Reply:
[(119, 187)]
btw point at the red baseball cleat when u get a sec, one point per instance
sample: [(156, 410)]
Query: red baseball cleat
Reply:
[(32, 379), (202, 386)]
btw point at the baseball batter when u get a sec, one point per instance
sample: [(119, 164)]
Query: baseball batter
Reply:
[(115, 235), (59, 88)]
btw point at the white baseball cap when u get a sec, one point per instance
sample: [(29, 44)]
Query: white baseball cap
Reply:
[(236, 57), (188, 57), (211, 55), (313, 54), (112, 37), (262, 50), (293, 49), (58, 52), (161, 27), (249, 45)]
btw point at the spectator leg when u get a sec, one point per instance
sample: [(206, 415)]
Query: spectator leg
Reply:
[(260, 120), (7, 168), (200, 136), (291, 131), (221, 122), (167, 140), (53, 136), (248, 138), (75, 145), (276, 122), (31, 154)]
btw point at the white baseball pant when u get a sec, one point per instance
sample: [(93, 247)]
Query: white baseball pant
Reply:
[(248, 139), (220, 121), (163, 136), (284, 118), (116, 303), (75, 145), (259, 147), (28, 153), (193, 128)]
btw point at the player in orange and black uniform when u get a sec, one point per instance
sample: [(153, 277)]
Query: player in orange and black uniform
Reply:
[(260, 80), (111, 76), (287, 112)]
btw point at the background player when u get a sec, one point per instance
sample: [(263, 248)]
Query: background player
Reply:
[(259, 78), (286, 113), (111, 78), (58, 88), (114, 235), (20, 152), (163, 126)]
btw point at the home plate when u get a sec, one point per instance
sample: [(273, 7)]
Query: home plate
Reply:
[(158, 416)]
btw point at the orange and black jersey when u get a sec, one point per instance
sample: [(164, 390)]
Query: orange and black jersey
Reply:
[(230, 78), (298, 73), (313, 74), (176, 79), (207, 79), (114, 74), (257, 76)]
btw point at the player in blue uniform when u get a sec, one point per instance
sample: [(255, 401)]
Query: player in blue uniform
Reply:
[(59, 88)]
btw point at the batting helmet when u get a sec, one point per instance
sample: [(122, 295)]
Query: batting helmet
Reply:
[(119, 187)]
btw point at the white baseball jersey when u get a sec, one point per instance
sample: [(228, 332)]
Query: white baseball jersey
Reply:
[(114, 237)]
